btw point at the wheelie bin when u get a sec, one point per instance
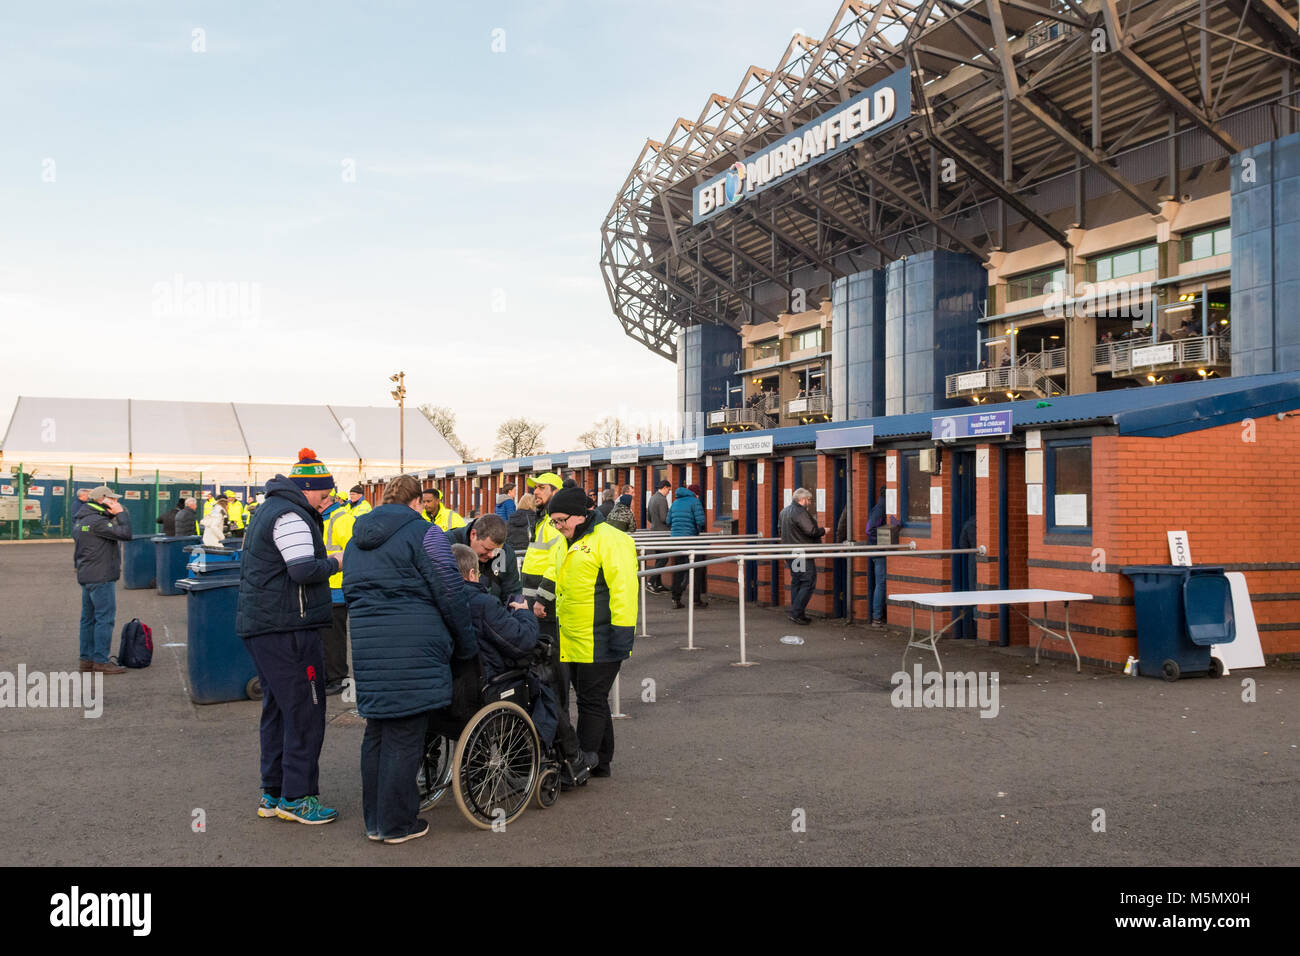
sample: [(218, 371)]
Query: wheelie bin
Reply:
[(1181, 611), (206, 562), (220, 668), (139, 564), (169, 561)]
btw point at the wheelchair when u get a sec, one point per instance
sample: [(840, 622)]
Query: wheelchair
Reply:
[(495, 764)]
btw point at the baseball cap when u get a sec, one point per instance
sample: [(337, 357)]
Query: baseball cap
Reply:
[(546, 478), (103, 491)]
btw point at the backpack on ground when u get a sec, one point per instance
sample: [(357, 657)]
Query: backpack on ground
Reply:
[(137, 644), (621, 517)]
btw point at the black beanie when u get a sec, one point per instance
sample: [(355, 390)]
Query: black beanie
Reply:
[(570, 501)]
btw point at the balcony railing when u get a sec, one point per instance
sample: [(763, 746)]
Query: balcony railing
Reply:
[(740, 417), (815, 403), (1031, 373), (1142, 356)]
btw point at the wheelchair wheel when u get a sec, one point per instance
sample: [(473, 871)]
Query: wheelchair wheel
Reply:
[(548, 788), (497, 765), (434, 778)]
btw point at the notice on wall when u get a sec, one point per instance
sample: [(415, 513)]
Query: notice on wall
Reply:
[(936, 500), (1034, 468), (821, 500), (735, 500), (891, 501), (760, 472), (789, 496), (6, 489), (689, 470), (1034, 499), (981, 462), (57, 490), (708, 499), (1034, 439), (891, 468), (164, 496), (1180, 551), (1071, 510), (38, 490), (132, 496)]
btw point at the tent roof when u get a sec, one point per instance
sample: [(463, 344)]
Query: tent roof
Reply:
[(217, 431)]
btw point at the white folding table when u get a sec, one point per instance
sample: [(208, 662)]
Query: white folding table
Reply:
[(954, 599)]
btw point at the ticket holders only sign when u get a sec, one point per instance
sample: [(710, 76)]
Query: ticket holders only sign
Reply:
[(872, 111), (760, 445), (976, 425)]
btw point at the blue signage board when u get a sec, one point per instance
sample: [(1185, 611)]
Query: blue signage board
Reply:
[(975, 425), (872, 111)]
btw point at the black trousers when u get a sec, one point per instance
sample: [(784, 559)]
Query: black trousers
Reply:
[(680, 578), (566, 739), (336, 644), (591, 682)]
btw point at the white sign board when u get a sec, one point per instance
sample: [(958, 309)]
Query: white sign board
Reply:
[(717, 418), (1153, 355), (462, 472), (1180, 552), (936, 500), (789, 497), (760, 472), (1245, 650), (971, 380), (1034, 499), (510, 468), (981, 462), (891, 501), (821, 500), (708, 500), (797, 406), (759, 445), (1034, 439), (625, 456), (1071, 510), (682, 452), (891, 468), (541, 464), (40, 490), (484, 470), (1033, 468), (690, 474), (735, 500), (579, 461)]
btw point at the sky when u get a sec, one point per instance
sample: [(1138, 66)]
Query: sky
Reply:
[(289, 202)]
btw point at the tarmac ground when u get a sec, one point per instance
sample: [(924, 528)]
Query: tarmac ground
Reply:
[(802, 759)]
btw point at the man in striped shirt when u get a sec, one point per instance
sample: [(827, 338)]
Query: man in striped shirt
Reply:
[(284, 603)]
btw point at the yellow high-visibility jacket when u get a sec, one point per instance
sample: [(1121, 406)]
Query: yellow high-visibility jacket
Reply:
[(596, 590), (337, 533), (362, 507), (446, 519), (537, 573), (237, 513)]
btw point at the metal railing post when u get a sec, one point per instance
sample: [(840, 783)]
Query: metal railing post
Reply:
[(643, 612), (740, 584), (690, 601), (616, 710)]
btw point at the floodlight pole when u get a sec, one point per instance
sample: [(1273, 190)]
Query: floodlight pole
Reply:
[(399, 393)]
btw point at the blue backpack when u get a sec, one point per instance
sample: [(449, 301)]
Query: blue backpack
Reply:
[(137, 644)]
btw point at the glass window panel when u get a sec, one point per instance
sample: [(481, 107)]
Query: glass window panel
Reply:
[(1202, 246), (1222, 241), (1148, 256), (918, 489), (1125, 263), (1103, 269), (1072, 467)]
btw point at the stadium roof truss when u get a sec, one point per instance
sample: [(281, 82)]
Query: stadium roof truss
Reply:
[(1013, 92)]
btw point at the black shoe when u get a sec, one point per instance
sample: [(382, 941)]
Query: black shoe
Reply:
[(677, 603), (601, 770), (701, 604), (805, 619), (333, 687), (574, 773)]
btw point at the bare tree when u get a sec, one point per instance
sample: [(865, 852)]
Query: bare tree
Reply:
[(443, 419), (518, 437), (609, 432)]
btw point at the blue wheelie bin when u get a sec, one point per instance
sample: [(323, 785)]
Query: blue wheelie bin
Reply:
[(169, 561), (206, 562), (220, 667), (1181, 611), (139, 563)]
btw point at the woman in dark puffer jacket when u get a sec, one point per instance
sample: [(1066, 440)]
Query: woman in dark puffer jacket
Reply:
[(520, 525), (406, 624)]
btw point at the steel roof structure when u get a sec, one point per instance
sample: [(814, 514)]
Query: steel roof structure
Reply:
[(1039, 105)]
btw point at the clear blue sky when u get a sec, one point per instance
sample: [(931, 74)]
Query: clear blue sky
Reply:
[(465, 252)]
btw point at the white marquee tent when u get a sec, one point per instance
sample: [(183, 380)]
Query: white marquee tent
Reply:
[(228, 441)]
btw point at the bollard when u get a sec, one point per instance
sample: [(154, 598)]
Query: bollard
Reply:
[(690, 603), (740, 583), (643, 588)]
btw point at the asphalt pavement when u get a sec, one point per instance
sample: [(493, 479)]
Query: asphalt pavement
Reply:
[(802, 759)]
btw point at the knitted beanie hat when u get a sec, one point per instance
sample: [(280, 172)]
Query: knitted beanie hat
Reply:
[(309, 473)]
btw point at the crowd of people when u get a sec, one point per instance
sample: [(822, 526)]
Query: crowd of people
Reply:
[(422, 594)]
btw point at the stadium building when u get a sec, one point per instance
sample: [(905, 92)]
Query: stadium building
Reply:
[(1028, 262)]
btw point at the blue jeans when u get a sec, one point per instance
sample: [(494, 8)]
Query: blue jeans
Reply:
[(390, 761), (98, 611), (878, 589)]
